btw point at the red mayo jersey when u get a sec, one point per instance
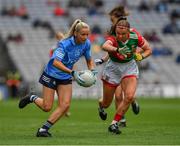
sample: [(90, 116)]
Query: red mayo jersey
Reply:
[(135, 40)]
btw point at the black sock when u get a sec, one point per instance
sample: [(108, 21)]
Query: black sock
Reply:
[(47, 125)]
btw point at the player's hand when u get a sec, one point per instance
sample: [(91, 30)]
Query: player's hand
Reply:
[(77, 77), (99, 61), (138, 57), (123, 51), (94, 71)]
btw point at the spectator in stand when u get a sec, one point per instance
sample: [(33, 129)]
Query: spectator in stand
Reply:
[(124, 3), (12, 11), (22, 12), (59, 11), (144, 6), (172, 27), (174, 1), (178, 59), (96, 8), (154, 37), (96, 29), (162, 50), (52, 2), (146, 35), (162, 6), (36, 23), (175, 14), (144, 66), (13, 82), (78, 3), (46, 25), (98, 3), (4, 11), (17, 38)]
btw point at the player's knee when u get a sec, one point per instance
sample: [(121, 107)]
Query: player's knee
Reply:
[(66, 106), (129, 98), (118, 99)]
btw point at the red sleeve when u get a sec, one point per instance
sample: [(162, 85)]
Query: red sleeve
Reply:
[(115, 44), (51, 52), (141, 40), (113, 40)]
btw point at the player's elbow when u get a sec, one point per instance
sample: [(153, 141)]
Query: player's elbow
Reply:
[(105, 46), (54, 62), (149, 51)]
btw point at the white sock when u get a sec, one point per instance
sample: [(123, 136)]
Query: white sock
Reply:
[(33, 97)]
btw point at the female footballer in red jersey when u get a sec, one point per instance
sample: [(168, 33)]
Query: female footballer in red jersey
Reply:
[(115, 14), (121, 67)]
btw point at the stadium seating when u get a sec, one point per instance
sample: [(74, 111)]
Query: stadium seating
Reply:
[(31, 55)]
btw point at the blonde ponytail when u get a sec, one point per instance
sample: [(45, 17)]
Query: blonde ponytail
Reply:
[(76, 27)]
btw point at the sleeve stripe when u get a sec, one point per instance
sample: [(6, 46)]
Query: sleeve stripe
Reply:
[(59, 55)]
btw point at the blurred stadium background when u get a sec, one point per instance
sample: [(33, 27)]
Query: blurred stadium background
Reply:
[(27, 30)]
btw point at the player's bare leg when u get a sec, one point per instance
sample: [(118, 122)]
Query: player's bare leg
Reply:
[(129, 88), (119, 96), (105, 102), (64, 100)]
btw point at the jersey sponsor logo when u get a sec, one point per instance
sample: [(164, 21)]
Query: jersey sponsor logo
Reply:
[(74, 56), (77, 53)]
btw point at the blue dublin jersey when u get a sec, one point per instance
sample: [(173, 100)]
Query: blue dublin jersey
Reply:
[(68, 52)]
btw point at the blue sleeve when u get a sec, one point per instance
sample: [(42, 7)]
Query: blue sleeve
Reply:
[(59, 53), (87, 52)]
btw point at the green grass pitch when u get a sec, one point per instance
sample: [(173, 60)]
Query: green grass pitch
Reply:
[(157, 124)]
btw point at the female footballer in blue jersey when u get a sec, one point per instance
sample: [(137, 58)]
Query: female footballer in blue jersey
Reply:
[(58, 73), (59, 36)]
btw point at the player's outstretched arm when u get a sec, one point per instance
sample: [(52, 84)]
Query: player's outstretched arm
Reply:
[(100, 61)]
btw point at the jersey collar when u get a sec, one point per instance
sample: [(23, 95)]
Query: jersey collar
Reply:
[(72, 39)]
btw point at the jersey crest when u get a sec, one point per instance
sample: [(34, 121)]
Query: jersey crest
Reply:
[(129, 46)]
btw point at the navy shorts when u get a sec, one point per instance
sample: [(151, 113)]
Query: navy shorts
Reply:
[(51, 82)]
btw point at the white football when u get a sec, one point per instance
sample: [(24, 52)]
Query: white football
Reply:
[(88, 77)]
